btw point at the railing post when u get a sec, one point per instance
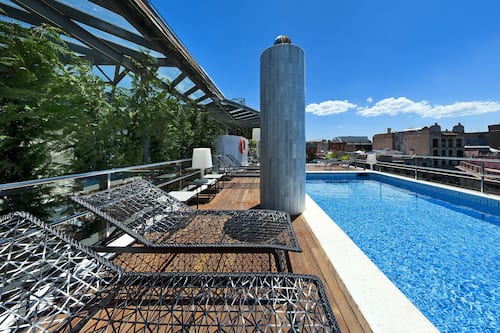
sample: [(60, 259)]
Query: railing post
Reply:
[(416, 167), (108, 186), (180, 173), (482, 176)]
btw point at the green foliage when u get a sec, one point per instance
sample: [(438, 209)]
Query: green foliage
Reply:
[(331, 155), (344, 157), (29, 69), (56, 117), (156, 126), (33, 109), (145, 113)]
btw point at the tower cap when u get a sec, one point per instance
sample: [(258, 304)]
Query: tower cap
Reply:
[(282, 39)]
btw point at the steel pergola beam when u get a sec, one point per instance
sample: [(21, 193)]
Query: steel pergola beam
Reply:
[(49, 14), (156, 36)]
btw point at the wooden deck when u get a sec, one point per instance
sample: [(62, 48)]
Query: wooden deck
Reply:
[(243, 193)]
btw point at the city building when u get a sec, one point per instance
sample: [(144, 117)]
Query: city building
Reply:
[(316, 149), (483, 143), (425, 141), (354, 143)]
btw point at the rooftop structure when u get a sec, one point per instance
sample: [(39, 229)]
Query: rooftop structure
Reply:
[(109, 34), (424, 141), (490, 138)]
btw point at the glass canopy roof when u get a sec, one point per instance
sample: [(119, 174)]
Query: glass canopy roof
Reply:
[(110, 32)]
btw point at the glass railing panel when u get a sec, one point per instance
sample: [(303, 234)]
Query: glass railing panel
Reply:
[(478, 174), (50, 199)]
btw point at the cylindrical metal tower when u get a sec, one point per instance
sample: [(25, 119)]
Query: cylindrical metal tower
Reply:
[(282, 112)]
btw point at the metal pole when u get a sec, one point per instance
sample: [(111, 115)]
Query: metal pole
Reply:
[(482, 176), (416, 167)]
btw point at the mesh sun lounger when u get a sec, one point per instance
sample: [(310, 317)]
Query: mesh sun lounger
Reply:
[(229, 164), (224, 165), (50, 283), (234, 161), (162, 223)]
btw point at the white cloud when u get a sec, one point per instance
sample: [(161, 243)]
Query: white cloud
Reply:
[(393, 106), (463, 109), (369, 99), (327, 108), (402, 105)]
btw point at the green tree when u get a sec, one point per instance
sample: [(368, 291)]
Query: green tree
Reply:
[(205, 129), (49, 107), (147, 110), (30, 67), (93, 141), (33, 111), (157, 126), (51, 112)]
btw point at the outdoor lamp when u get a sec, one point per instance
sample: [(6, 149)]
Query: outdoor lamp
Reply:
[(202, 159)]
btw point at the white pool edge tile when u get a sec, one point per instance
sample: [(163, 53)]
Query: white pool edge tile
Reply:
[(384, 306)]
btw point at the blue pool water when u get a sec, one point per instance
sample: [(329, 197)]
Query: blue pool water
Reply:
[(442, 256)]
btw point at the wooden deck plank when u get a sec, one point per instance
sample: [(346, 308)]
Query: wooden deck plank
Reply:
[(243, 193)]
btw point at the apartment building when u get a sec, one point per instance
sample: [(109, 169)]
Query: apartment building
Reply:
[(425, 141)]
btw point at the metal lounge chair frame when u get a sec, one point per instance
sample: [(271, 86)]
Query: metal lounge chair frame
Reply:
[(163, 224), (224, 165), (51, 283), (234, 161)]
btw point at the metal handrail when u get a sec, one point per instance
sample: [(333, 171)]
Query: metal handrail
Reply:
[(480, 174), (109, 172), (71, 216)]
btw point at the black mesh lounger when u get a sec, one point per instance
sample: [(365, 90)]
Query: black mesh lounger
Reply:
[(225, 166), (237, 164), (164, 224), (51, 283)]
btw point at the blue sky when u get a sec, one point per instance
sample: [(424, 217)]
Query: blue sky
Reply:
[(370, 64)]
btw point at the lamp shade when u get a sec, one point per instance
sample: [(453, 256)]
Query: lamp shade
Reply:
[(256, 134), (202, 158)]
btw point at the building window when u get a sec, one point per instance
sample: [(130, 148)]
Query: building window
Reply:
[(435, 143), (460, 153), (435, 152), (450, 142), (450, 152), (443, 152), (443, 142), (459, 143)]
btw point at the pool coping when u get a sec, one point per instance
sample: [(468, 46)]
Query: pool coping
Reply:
[(384, 306)]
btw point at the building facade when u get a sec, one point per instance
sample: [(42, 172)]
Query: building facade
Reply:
[(425, 141), (318, 149), (490, 139)]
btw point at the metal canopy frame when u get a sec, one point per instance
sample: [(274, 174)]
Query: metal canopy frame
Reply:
[(111, 32)]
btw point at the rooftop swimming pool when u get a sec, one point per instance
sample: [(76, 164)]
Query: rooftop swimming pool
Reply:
[(438, 246)]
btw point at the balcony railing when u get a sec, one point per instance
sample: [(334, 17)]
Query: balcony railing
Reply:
[(479, 174), (49, 198)]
